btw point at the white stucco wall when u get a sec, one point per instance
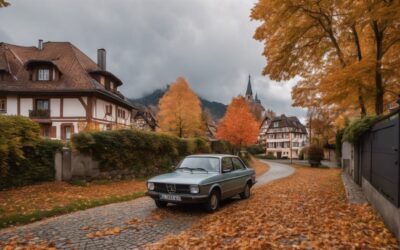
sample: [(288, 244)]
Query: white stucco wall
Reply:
[(100, 110), (55, 107), (73, 108), (12, 105), (26, 105)]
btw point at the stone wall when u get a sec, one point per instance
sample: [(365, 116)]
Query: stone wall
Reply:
[(73, 165), (389, 212), (350, 160)]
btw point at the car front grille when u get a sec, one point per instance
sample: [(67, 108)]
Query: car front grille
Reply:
[(172, 188)]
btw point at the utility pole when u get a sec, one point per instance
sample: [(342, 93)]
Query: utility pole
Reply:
[(290, 146)]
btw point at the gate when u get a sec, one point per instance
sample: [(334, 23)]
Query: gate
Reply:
[(379, 157)]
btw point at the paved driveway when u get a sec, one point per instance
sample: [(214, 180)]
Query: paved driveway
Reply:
[(130, 225)]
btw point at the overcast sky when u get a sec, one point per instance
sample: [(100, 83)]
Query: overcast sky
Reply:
[(150, 43)]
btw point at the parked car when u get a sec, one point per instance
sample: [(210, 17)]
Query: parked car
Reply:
[(204, 179)]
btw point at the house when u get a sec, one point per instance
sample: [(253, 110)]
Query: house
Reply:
[(61, 88), (285, 137), (143, 119)]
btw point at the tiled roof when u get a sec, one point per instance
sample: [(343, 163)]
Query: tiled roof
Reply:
[(291, 122), (73, 64)]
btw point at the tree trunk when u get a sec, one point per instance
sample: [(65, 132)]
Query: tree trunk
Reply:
[(378, 69), (361, 102)]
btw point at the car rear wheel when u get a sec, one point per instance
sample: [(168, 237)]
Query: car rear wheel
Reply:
[(213, 202), (246, 192), (160, 204)]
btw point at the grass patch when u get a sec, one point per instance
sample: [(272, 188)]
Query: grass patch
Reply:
[(20, 219)]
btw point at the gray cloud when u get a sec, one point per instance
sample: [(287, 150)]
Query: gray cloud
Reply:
[(152, 42)]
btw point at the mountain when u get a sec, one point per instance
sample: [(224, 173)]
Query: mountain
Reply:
[(216, 109)]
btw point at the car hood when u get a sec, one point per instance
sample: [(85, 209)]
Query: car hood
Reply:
[(182, 177)]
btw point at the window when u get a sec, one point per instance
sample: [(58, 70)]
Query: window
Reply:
[(45, 130), (227, 165), (3, 105), (42, 104), (121, 113), (276, 124), (67, 131), (108, 109), (210, 164), (237, 164), (43, 75)]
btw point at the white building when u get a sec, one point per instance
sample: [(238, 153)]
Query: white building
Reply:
[(61, 88), (285, 137)]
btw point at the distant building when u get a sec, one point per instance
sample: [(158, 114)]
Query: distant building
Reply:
[(285, 137), (255, 104), (143, 119), (262, 137)]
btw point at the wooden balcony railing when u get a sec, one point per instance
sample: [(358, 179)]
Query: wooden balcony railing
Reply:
[(39, 113)]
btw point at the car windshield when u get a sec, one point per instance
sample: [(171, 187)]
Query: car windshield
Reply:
[(209, 164)]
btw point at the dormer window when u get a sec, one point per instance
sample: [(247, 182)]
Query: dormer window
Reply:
[(40, 70), (43, 75)]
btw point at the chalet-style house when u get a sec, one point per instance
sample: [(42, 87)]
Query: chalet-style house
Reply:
[(264, 126), (143, 119), (61, 88), (285, 137)]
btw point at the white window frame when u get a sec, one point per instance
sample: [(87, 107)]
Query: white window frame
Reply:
[(44, 75)]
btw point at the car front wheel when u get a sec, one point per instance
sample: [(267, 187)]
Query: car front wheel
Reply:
[(160, 204), (246, 192), (213, 202)]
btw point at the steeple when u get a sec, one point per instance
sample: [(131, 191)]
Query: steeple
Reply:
[(249, 91)]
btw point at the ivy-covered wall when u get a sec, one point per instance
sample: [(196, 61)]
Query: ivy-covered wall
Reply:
[(145, 153)]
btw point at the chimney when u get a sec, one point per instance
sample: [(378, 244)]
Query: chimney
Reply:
[(101, 58), (40, 44)]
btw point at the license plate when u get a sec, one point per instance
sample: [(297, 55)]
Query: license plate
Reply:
[(170, 197)]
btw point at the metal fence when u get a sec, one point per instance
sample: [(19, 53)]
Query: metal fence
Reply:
[(379, 157)]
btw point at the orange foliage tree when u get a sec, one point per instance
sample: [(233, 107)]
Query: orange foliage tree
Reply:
[(239, 126), (180, 111)]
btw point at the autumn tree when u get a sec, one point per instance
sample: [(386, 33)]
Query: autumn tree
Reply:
[(344, 51), (180, 111), (238, 126), (4, 3)]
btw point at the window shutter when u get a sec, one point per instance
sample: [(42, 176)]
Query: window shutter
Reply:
[(53, 132)]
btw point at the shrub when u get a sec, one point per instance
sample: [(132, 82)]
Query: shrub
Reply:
[(25, 158), (221, 147), (255, 149), (315, 155), (301, 154), (146, 153), (338, 142), (354, 131)]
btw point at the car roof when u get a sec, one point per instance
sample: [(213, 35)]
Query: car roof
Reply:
[(212, 155)]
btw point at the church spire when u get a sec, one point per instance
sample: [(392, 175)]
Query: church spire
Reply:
[(249, 91)]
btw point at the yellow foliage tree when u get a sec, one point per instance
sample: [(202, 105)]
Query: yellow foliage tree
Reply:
[(180, 111), (344, 51)]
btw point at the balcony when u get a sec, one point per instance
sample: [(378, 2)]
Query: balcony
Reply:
[(39, 113)]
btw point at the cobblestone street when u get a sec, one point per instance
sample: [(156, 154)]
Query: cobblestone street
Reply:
[(72, 231)]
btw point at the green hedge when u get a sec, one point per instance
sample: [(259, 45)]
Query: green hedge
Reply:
[(354, 131), (146, 153), (25, 158)]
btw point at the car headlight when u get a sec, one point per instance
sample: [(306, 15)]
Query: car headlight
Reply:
[(194, 189), (150, 186)]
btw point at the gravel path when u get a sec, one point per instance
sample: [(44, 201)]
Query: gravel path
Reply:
[(140, 221)]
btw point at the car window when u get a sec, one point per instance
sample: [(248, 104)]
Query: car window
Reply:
[(237, 164), (227, 164), (210, 164)]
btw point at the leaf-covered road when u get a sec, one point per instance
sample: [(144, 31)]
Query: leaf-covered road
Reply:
[(307, 210), (125, 225)]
